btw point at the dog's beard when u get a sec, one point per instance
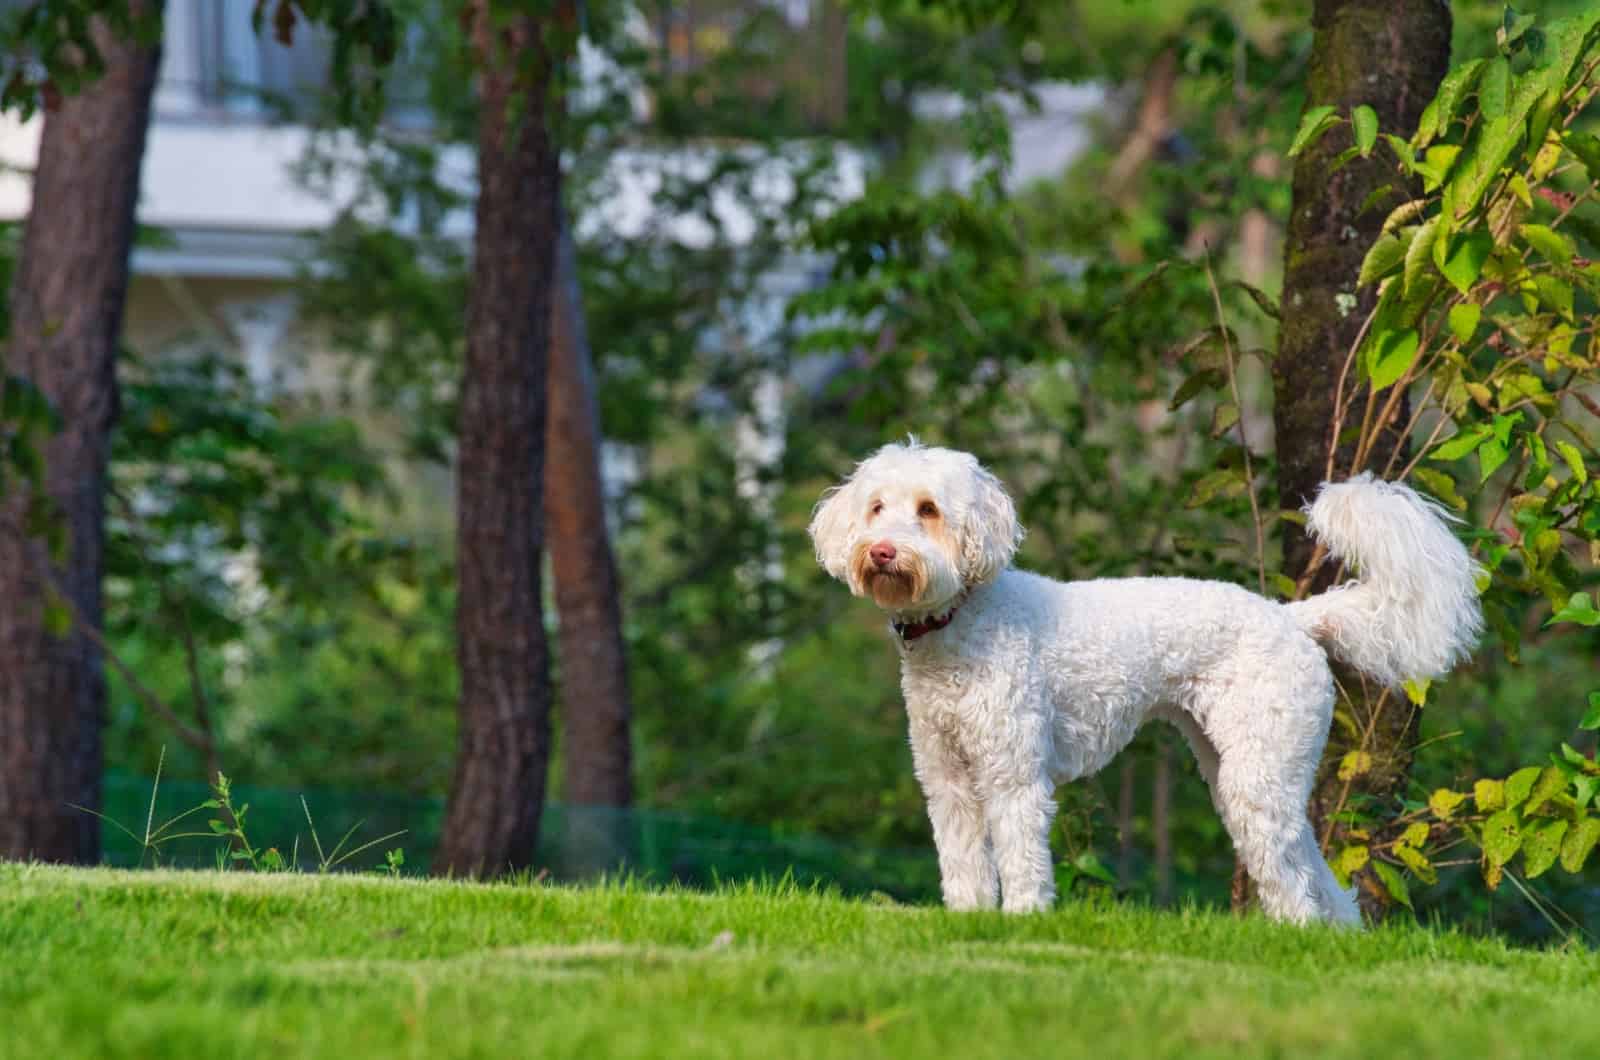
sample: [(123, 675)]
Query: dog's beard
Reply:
[(901, 584)]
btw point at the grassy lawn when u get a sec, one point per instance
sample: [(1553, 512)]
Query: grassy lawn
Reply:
[(108, 963)]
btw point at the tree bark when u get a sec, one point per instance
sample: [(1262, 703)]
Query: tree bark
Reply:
[(1161, 819), (1391, 56), (595, 707), (66, 319), (492, 818)]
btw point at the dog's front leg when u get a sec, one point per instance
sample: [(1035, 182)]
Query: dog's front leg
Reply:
[(1019, 818), (960, 829)]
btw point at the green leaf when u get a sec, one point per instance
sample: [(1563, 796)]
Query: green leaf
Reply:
[(1404, 213), (1313, 124), (1447, 101), (1342, 159), (1555, 293), (1555, 247), (1552, 781), (1580, 841), (1354, 764), (1439, 160), (1491, 455), (1374, 197), (1262, 300), (1223, 482), (1541, 846), (1350, 860), (1402, 151), (1519, 785), (1544, 111), (1464, 317), (1490, 146), (1382, 258), (1502, 835), (1494, 93), (1418, 863), (1503, 424), (1393, 882), (1428, 124), (1464, 263), (1225, 416), (1365, 120), (1441, 486), (1196, 384), (1443, 803), (1586, 147), (1419, 254), (1513, 26), (1591, 717), (1461, 443), (1579, 609), (1088, 864), (1392, 356), (1489, 795), (1574, 459)]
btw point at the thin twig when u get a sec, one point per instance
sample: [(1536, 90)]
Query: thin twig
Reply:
[(1244, 441), (1340, 407)]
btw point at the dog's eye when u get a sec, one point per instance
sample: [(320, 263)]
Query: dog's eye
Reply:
[(927, 510), (877, 506)]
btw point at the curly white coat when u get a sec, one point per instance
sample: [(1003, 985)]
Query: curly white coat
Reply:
[(1034, 682)]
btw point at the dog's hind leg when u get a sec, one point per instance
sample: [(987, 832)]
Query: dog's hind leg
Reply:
[(1269, 728), (1205, 752)]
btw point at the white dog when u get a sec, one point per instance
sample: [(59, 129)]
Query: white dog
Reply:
[(1015, 683)]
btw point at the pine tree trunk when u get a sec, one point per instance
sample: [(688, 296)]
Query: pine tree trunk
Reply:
[(492, 819), (1390, 55), (66, 304), (1161, 819), (595, 710)]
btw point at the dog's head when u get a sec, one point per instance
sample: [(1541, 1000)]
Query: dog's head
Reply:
[(914, 526)]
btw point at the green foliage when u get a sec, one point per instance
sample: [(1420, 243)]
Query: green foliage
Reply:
[(51, 52), (1484, 320)]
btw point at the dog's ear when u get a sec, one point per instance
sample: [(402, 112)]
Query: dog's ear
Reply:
[(834, 525), (990, 532)]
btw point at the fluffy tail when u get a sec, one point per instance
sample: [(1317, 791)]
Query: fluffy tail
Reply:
[(1413, 613)]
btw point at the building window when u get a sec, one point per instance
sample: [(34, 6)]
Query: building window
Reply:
[(213, 61)]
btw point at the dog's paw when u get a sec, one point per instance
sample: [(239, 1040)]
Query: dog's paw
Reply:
[(1036, 903)]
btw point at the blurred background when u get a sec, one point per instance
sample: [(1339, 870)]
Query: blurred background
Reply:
[(743, 179)]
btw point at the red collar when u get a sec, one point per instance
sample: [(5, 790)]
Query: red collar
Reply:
[(910, 631)]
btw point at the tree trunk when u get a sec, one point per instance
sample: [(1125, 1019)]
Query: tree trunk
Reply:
[(1391, 56), (492, 819), (66, 320), (1125, 823), (595, 710), (1161, 819)]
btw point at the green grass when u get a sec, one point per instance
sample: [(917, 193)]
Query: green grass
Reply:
[(110, 963)]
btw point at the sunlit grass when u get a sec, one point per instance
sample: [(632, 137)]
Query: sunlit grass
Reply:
[(108, 963)]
